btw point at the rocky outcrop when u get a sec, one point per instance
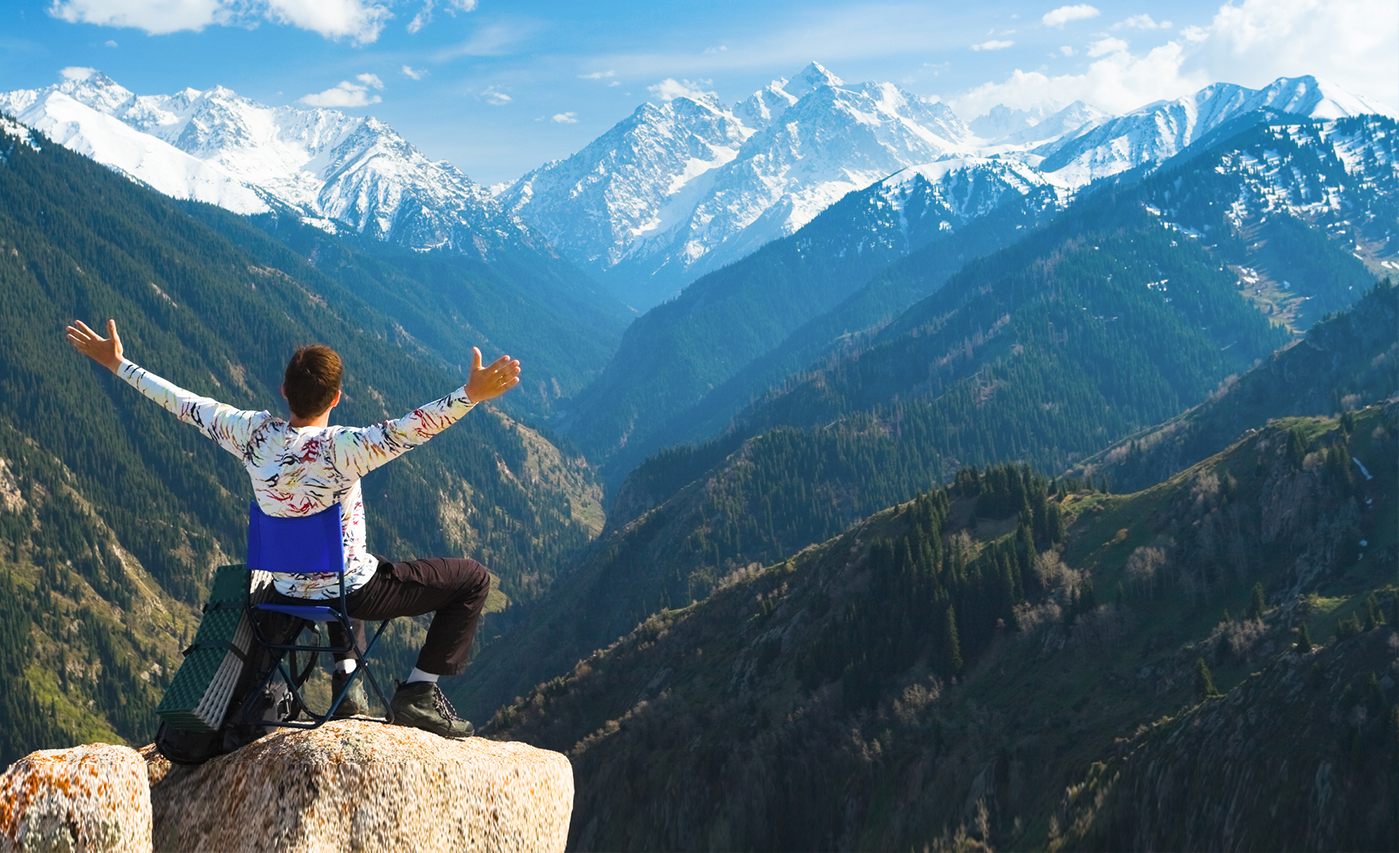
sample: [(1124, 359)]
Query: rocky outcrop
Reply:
[(349, 785), (360, 785), (86, 798)]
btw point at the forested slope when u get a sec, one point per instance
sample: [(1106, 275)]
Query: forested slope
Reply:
[(1344, 362), (1044, 352), (824, 701)]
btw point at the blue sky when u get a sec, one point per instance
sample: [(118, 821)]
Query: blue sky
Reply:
[(499, 88)]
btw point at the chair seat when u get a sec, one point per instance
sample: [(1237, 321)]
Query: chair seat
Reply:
[(309, 612)]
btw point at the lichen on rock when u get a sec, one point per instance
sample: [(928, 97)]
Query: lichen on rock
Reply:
[(86, 798)]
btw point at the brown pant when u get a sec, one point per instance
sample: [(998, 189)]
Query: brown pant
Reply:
[(452, 589)]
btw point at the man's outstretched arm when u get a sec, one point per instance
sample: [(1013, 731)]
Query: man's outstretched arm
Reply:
[(232, 429)]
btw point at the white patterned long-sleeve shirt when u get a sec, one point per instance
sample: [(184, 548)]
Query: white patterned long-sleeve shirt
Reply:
[(299, 471)]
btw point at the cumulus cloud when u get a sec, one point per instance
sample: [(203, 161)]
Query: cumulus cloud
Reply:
[(153, 16), (1064, 14), (565, 118), (495, 97), (1117, 82), (1066, 50), (1347, 42), (335, 19), (597, 75), (1104, 46), (1142, 22), (347, 94), (993, 44), (361, 21), (111, 43), (77, 72), (413, 73), (669, 89)]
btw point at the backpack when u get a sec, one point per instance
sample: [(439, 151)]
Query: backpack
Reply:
[(252, 712)]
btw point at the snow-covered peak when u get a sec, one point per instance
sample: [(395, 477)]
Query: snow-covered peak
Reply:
[(338, 171), (1158, 131), (809, 79)]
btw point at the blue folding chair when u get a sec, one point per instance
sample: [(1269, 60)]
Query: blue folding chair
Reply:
[(305, 545)]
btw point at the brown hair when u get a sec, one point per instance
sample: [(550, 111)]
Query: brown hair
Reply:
[(312, 380)]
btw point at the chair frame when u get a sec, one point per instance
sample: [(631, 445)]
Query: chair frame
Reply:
[(328, 556)]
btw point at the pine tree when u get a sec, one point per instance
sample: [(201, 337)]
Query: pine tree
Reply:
[(1304, 639), (1259, 604), (1204, 682)]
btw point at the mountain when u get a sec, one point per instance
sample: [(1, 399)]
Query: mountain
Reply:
[(676, 191), (359, 180), (675, 354), (1156, 132), (1043, 352), (340, 172), (938, 675), (113, 514), (1300, 212)]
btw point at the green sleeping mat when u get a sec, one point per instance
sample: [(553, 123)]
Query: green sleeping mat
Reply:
[(198, 697)]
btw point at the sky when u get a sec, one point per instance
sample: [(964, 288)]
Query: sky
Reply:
[(499, 88)]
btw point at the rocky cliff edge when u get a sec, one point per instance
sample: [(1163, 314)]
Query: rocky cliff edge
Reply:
[(350, 785)]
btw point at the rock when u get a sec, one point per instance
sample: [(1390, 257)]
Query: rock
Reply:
[(86, 798), (361, 785)]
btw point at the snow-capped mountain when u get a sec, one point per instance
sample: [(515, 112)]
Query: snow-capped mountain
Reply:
[(337, 171), (677, 190), (1159, 131)]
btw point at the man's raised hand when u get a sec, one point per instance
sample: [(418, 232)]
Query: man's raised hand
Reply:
[(488, 382), (105, 351)]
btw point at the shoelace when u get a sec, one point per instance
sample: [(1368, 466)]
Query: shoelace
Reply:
[(443, 706)]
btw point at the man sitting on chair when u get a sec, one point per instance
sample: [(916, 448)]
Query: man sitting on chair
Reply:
[(304, 465)]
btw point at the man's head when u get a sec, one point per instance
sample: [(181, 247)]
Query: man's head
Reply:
[(312, 380)]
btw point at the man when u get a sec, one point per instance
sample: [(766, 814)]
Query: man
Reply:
[(304, 465)]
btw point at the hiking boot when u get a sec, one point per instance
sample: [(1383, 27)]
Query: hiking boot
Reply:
[(420, 704), (355, 703)]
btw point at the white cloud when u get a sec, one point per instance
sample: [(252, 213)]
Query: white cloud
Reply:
[(1142, 22), (424, 16), (1064, 14), (1066, 50), (76, 72), (111, 43), (346, 94), (1118, 82), (1249, 42), (669, 89), (413, 73), (153, 16), (334, 19), (495, 97), (370, 80), (565, 118), (1346, 42), (993, 44), (711, 51), (1104, 46), (359, 20), (597, 75)]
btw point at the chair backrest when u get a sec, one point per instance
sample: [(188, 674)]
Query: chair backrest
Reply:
[(303, 544)]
